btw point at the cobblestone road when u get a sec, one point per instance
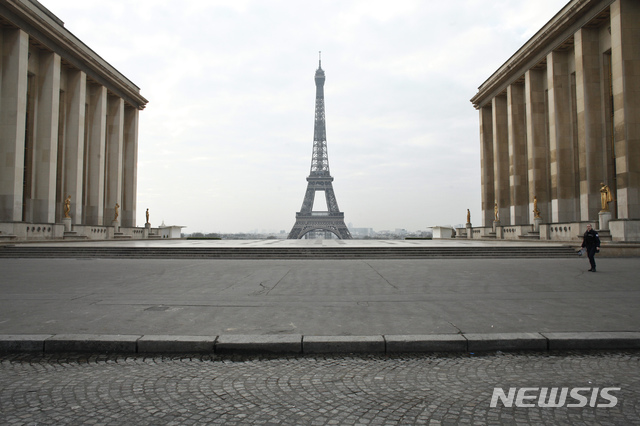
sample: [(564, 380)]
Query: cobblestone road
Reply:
[(404, 389)]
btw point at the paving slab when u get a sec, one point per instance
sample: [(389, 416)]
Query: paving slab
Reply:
[(313, 297), (316, 297)]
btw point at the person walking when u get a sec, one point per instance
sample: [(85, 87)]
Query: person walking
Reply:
[(591, 242)]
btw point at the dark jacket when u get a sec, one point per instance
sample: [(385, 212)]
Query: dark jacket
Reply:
[(590, 239)]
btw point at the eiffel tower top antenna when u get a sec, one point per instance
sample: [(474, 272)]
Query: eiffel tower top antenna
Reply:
[(319, 58)]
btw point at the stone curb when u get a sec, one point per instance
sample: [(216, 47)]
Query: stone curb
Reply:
[(593, 340), (240, 343), (342, 344), (299, 344), (23, 342), (91, 343), (506, 342), (176, 344), (426, 343)]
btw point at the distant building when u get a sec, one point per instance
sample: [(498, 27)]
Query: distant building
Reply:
[(361, 232), (69, 128), (560, 118)]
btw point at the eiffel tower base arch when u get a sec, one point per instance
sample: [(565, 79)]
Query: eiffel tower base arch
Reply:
[(331, 223)]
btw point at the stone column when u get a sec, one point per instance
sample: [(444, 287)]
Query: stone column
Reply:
[(591, 149), (113, 169), (625, 63), (517, 155), (74, 141), (501, 157), (95, 156), (563, 183), (46, 138), (486, 163), (14, 48), (537, 146), (129, 187)]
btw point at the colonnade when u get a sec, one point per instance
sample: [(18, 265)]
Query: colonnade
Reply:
[(62, 133), (566, 121)]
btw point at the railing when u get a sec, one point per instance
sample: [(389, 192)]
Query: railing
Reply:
[(320, 214)]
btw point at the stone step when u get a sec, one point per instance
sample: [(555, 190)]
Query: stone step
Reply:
[(605, 235), (530, 236), (286, 253), (73, 235)]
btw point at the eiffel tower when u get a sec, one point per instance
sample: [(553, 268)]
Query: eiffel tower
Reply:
[(319, 180)]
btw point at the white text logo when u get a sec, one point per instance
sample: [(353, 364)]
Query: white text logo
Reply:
[(555, 397)]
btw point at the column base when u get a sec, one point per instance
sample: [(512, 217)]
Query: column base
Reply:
[(537, 221), (603, 220)]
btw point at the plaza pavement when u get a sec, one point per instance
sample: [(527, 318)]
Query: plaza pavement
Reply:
[(316, 305)]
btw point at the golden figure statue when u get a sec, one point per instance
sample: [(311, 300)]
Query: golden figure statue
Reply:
[(117, 213), (147, 215), (67, 207), (468, 216), (605, 197), (536, 212), (495, 212)]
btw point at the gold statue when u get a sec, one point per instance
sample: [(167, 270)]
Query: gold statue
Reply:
[(147, 215), (605, 197), (117, 207), (468, 216), (536, 212), (495, 212), (67, 207)]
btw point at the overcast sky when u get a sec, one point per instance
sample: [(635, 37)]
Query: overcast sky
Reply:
[(225, 141)]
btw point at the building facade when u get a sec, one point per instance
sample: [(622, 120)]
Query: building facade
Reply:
[(560, 119), (68, 132)]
